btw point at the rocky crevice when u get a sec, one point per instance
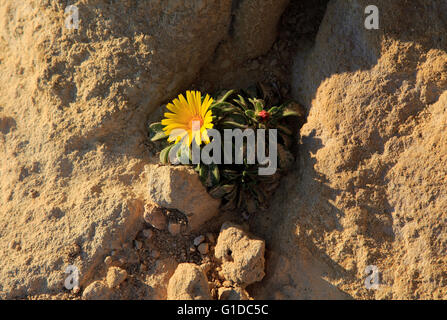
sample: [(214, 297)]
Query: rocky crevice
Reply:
[(369, 184)]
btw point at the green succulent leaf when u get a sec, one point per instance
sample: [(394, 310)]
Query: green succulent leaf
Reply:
[(156, 127), (159, 136), (250, 113), (203, 173), (258, 104), (225, 96), (232, 125), (238, 118), (241, 101), (214, 174), (164, 154), (274, 110), (229, 109), (290, 113), (239, 186), (219, 106)]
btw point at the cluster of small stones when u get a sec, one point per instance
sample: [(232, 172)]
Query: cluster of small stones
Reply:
[(218, 276), (238, 262), (210, 267)]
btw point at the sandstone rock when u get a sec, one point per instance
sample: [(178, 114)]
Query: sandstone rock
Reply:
[(242, 255), (189, 282), (159, 276), (370, 181), (232, 294), (154, 215), (108, 260), (73, 119), (115, 276), (206, 267), (96, 291), (246, 38), (179, 187), (372, 164)]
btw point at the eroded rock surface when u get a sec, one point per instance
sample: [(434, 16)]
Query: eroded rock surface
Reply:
[(179, 187), (370, 189), (115, 276), (232, 294), (97, 290), (241, 254), (188, 282), (73, 124)]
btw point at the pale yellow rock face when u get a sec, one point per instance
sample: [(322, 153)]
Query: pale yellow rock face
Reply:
[(72, 124), (371, 187), (188, 282)]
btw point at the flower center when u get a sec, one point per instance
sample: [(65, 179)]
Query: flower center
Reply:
[(196, 123)]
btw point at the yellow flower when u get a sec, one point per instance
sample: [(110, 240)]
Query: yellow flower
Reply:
[(188, 117)]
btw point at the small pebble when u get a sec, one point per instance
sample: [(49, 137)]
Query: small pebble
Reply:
[(203, 248), (227, 284), (199, 240), (192, 249), (108, 260), (13, 244)]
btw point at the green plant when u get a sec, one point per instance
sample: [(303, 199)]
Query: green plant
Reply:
[(239, 186)]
